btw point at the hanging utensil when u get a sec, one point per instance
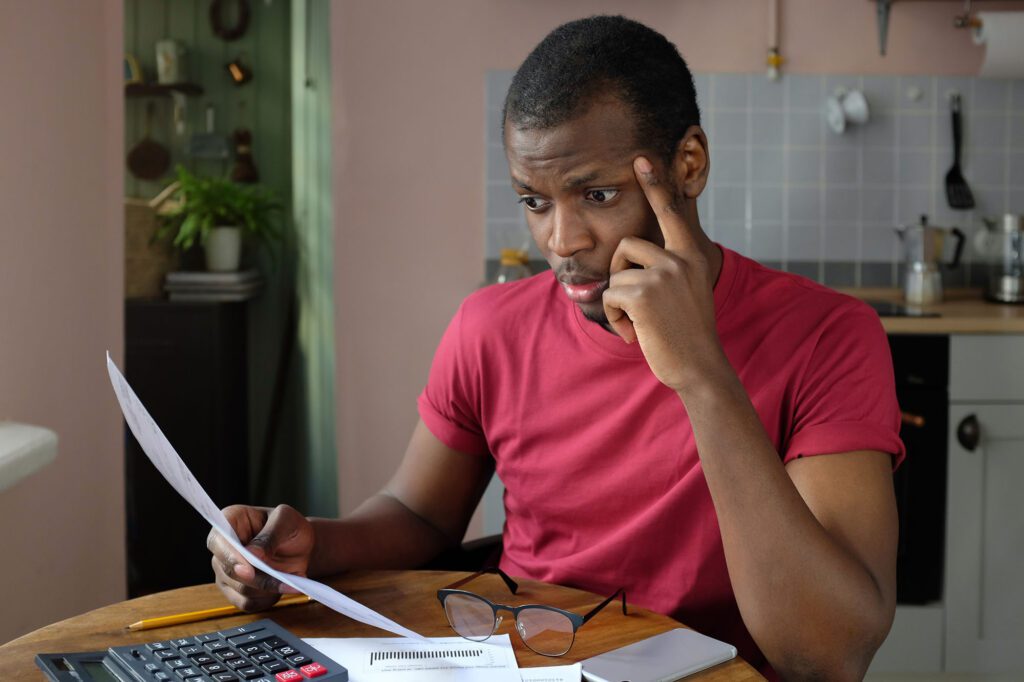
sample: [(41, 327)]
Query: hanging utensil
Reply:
[(958, 194), (148, 159)]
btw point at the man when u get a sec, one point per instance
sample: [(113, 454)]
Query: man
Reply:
[(654, 404)]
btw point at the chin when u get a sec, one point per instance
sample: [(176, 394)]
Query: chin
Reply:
[(594, 312)]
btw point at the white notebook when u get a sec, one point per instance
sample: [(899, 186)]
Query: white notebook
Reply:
[(662, 658)]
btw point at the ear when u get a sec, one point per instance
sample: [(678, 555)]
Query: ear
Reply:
[(692, 163)]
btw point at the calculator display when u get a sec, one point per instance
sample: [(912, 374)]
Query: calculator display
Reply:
[(98, 672)]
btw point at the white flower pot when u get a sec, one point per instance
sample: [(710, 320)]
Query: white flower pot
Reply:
[(223, 249)]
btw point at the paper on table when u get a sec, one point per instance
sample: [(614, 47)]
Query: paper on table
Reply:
[(438, 659), (559, 673), (169, 464)]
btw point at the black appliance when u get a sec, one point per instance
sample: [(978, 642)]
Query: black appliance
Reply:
[(188, 364), (921, 364)]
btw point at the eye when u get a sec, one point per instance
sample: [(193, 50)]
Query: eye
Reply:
[(601, 196), (533, 203)]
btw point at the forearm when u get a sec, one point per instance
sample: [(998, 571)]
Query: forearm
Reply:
[(810, 604), (380, 533)]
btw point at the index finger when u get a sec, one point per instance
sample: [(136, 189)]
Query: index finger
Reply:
[(674, 228), (231, 561)]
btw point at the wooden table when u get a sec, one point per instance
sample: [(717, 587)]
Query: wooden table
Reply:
[(408, 597)]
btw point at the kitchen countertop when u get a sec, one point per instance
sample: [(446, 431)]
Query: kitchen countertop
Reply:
[(964, 311)]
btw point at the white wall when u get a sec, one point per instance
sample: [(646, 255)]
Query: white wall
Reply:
[(61, 301)]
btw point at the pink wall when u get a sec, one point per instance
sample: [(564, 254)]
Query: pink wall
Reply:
[(408, 152), (61, 291)]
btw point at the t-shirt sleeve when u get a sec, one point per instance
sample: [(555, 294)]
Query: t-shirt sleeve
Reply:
[(450, 403), (846, 399)]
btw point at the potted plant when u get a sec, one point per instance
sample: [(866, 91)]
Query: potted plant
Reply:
[(218, 213)]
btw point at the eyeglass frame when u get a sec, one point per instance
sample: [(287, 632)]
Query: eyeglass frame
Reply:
[(576, 619)]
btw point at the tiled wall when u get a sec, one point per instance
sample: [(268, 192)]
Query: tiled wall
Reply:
[(789, 192)]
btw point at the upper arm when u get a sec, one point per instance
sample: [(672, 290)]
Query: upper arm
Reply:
[(851, 495), (440, 485)]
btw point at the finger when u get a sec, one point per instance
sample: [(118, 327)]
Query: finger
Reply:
[(241, 595), (674, 228), (635, 251), (283, 525), (228, 557), (616, 301)]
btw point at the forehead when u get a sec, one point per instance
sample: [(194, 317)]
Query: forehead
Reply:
[(602, 136)]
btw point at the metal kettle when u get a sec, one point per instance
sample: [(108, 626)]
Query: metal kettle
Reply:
[(924, 248), (1002, 241)]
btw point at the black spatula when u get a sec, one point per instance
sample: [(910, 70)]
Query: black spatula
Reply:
[(958, 194)]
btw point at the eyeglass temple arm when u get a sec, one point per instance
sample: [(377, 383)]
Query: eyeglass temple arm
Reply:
[(593, 611), (512, 586)]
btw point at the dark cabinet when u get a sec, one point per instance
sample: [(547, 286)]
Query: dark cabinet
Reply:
[(187, 362)]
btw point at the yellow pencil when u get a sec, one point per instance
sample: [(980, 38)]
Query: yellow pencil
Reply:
[(192, 617)]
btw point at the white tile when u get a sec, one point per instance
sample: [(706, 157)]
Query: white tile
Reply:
[(733, 235), (880, 92), (731, 91), (880, 131), (915, 168), (985, 130), (767, 127), (878, 205), (804, 204), (842, 242), (842, 166), (803, 166), (804, 128), (766, 242), (915, 130), (1017, 170), (766, 203), (991, 94), (803, 242), (842, 204), (878, 243), (729, 165), (879, 165), (804, 92), (924, 84), (730, 204), (731, 128), (766, 94), (767, 165), (986, 168)]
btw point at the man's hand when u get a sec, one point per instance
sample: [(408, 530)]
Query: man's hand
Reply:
[(282, 537), (668, 305)]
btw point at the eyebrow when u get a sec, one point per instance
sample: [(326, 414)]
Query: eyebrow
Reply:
[(522, 185), (571, 183)]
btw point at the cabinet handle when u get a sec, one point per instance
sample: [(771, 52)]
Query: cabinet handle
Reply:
[(969, 432), (911, 419)]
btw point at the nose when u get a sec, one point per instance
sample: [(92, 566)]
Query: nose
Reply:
[(569, 233)]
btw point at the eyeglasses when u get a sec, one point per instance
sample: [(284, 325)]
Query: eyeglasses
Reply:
[(546, 630)]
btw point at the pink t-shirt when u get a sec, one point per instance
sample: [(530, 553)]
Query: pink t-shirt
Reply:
[(604, 488)]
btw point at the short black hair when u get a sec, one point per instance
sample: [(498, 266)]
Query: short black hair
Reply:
[(584, 59)]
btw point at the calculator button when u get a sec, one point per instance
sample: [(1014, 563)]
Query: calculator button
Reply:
[(237, 663), (156, 646), (313, 670), (152, 667), (288, 676), (202, 659), (209, 637), (251, 649), (242, 630), (189, 650), (299, 659), (182, 642), (161, 677), (227, 655), (277, 666), (216, 645), (165, 654), (175, 663), (248, 673), (187, 672), (275, 643), (286, 650), (249, 638), (211, 668), (225, 677), (263, 658)]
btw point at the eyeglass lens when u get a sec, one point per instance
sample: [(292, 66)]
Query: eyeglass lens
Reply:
[(547, 632), (469, 616)]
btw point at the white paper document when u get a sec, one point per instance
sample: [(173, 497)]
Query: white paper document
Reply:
[(439, 659), (169, 464), (558, 673)]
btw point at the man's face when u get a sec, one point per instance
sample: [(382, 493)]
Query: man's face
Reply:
[(581, 197)]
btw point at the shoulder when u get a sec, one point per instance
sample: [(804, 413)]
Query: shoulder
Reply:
[(787, 298), (498, 306)]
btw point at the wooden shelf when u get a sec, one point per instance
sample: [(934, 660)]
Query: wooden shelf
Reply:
[(158, 90)]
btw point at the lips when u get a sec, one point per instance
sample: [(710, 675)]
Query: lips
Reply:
[(581, 290)]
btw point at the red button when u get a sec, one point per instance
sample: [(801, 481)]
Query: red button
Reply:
[(288, 676), (313, 670)]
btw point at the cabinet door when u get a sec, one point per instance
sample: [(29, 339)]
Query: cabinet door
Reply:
[(984, 584)]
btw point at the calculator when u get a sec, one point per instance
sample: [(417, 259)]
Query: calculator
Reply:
[(261, 651)]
